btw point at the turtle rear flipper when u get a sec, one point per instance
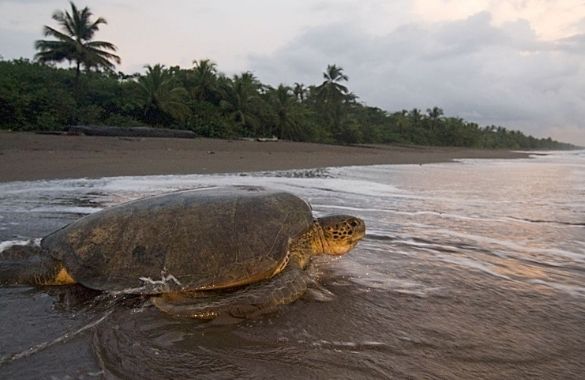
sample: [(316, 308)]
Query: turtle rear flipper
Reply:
[(29, 264), (246, 302)]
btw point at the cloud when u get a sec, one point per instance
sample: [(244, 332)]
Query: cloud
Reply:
[(18, 45), (491, 74), (515, 63)]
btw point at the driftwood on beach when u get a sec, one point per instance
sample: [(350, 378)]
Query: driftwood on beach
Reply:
[(91, 130)]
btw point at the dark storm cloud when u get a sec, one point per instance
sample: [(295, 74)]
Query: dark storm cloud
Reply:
[(490, 74)]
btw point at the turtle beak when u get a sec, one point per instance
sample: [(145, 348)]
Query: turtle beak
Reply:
[(359, 229)]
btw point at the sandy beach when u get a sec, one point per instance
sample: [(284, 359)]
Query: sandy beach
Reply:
[(467, 270), (29, 156)]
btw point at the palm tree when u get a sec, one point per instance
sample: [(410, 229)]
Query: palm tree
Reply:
[(283, 102), (331, 90), (415, 117), (74, 42), (239, 99), (205, 80), (158, 93), (331, 97), (300, 92), (434, 114), (401, 120)]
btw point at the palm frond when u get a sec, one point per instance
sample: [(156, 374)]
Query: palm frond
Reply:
[(101, 45), (51, 32), (74, 40), (94, 27)]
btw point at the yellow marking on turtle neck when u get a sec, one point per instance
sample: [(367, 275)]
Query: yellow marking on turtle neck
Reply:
[(63, 278)]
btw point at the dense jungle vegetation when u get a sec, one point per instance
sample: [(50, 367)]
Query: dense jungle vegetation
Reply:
[(37, 95)]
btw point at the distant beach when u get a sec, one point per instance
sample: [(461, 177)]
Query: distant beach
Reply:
[(29, 156)]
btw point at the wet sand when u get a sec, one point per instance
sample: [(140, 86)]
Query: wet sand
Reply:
[(464, 274), (29, 156)]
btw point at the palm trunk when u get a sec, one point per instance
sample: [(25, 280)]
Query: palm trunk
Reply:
[(77, 72), (72, 120)]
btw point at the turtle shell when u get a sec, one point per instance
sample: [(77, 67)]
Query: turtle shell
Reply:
[(207, 239)]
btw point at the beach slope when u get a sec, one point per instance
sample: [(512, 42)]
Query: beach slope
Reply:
[(29, 156)]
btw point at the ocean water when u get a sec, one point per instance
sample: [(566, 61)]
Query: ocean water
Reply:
[(472, 269)]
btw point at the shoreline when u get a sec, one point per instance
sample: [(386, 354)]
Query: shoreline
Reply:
[(28, 156)]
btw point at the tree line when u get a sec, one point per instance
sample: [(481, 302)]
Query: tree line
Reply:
[(37, 95)]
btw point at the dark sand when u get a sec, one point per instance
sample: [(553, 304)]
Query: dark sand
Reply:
[(28, 156)]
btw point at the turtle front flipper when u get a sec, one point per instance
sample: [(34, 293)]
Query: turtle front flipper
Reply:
[(28, 264), (247, 302)]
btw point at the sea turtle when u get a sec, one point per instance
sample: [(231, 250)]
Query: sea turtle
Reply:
[(199, 253)]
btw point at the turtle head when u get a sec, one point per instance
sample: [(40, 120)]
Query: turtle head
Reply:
[(338, 234)]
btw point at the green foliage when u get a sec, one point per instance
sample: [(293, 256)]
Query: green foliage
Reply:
[(242, 104), (283, 103), (208, 120), (34, 96), (204, 82), (161, 97)]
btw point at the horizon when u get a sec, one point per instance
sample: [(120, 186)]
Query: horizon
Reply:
[(513, 64)]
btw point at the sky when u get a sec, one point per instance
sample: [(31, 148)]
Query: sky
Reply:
[(513, 63)]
